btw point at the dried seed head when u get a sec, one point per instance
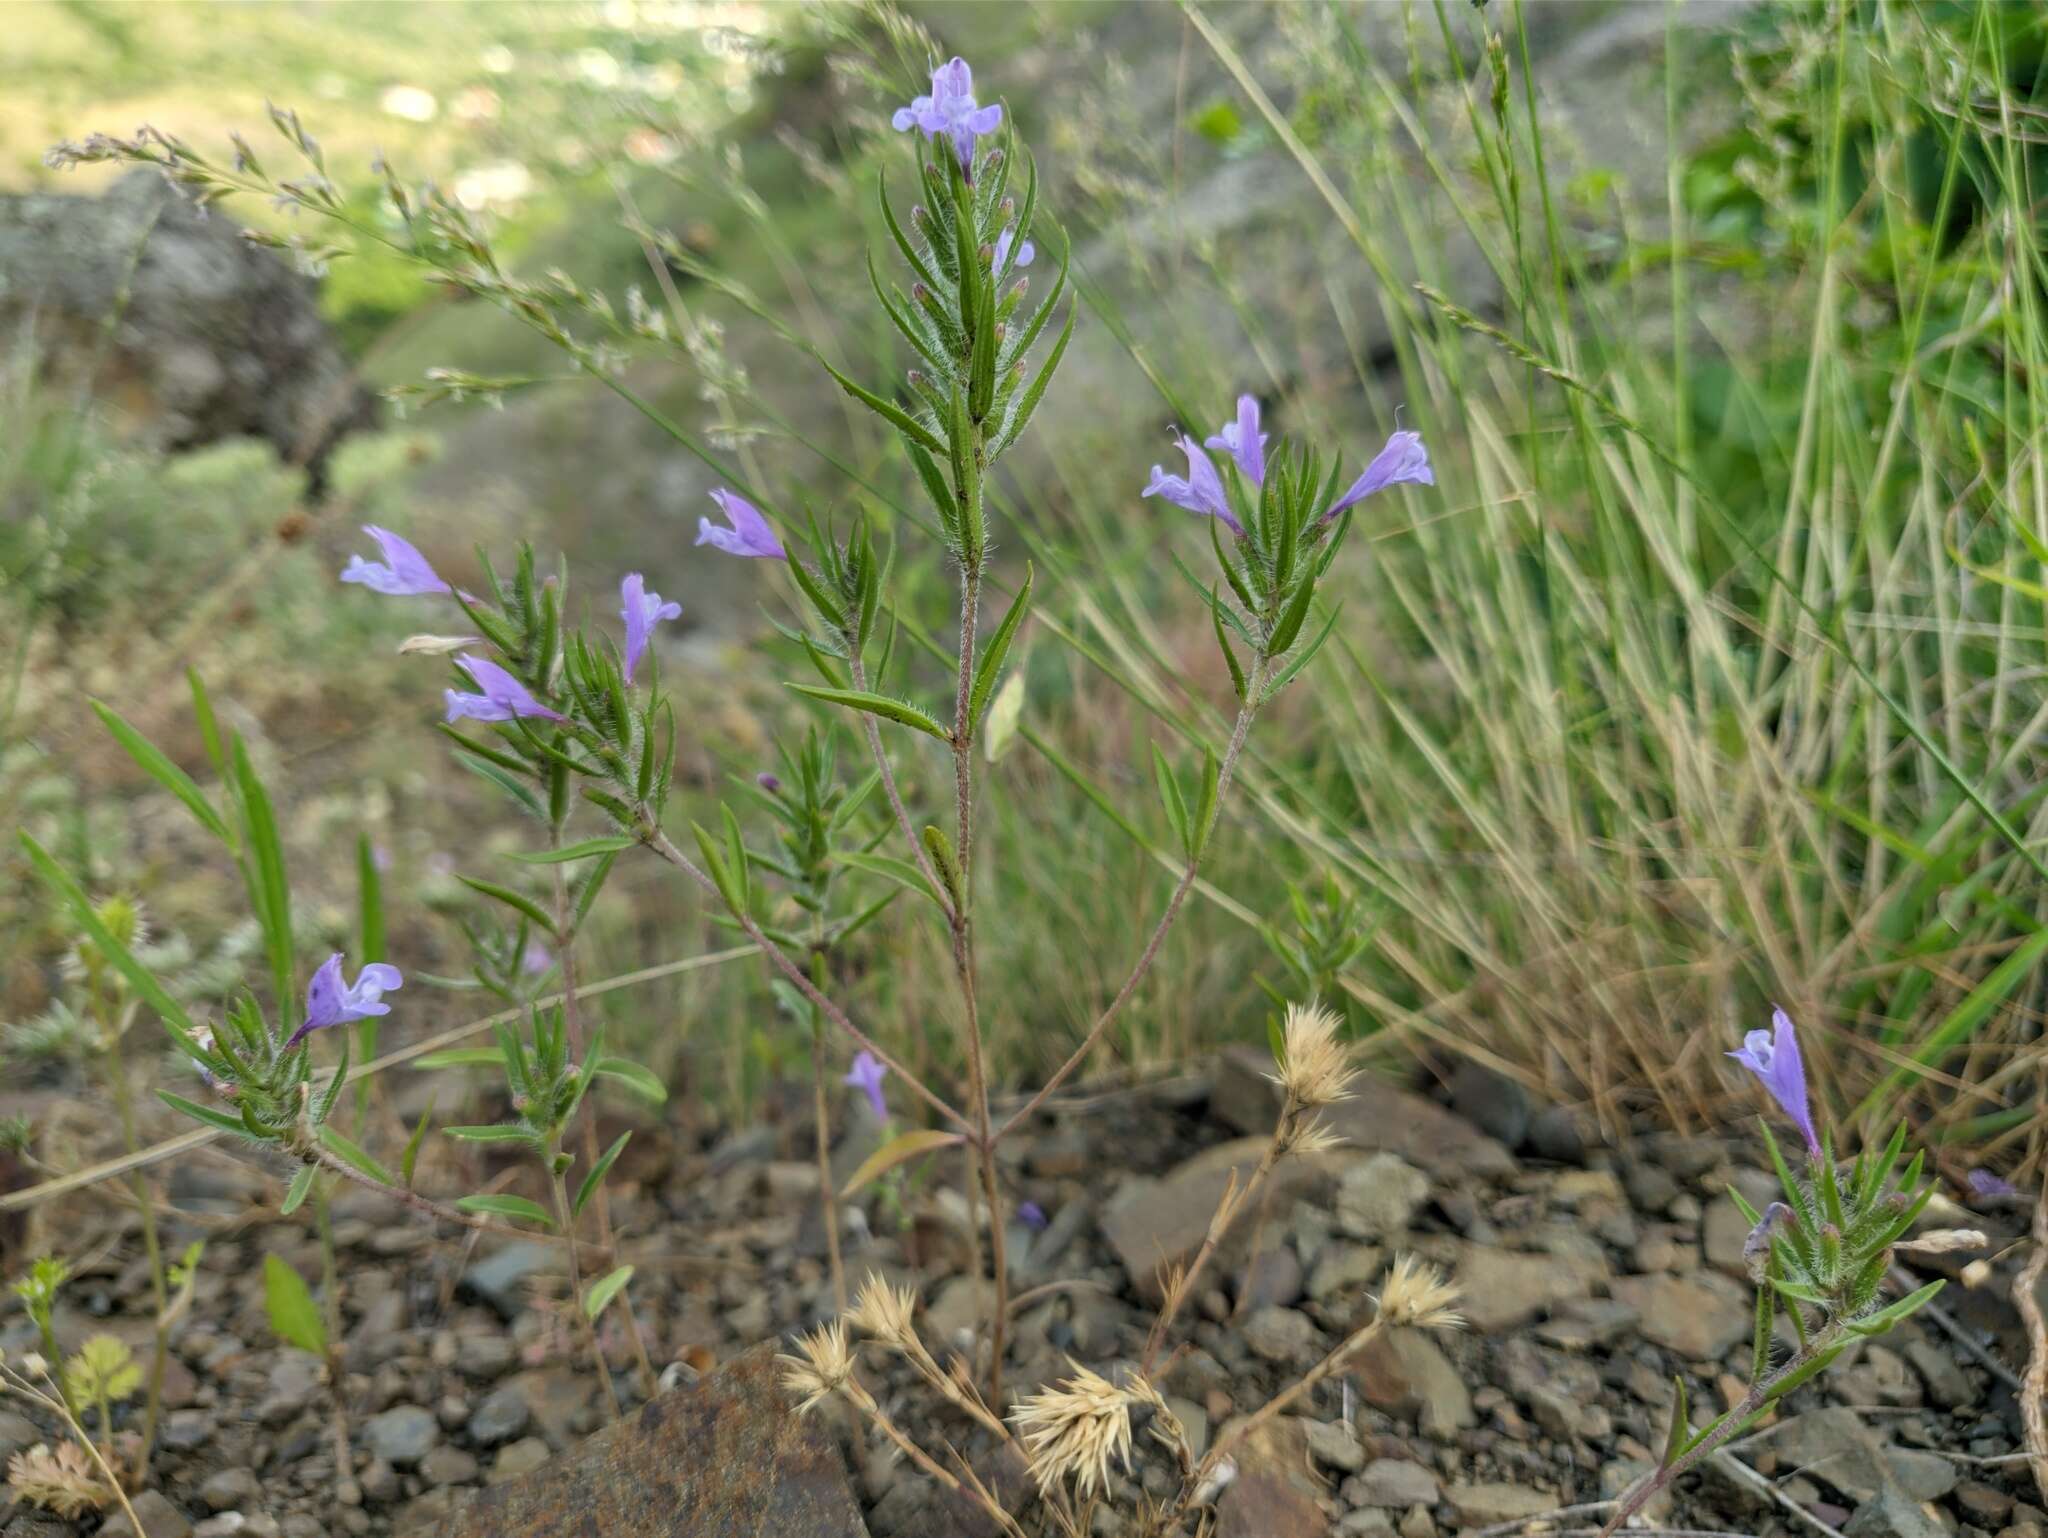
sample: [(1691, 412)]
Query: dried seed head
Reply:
[(822, 1367), (1072, 1430), (1312, 1137), (63, 1481), (1417, 1294), (885, 1312), (1944, 1241), (1316, 1069)]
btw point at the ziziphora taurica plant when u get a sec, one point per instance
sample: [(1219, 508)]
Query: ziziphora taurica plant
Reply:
[(556, 716), (1819, 1258)]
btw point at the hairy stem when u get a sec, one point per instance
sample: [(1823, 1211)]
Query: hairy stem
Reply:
[(1758, 1395), (828, 1201), (584, 1322), (661, 844), (566, 936), (2026, 1296), (145, 1209), (1224, 771), (427, 1207)]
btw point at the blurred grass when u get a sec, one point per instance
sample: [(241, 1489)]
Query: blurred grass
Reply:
[(1598, 749)]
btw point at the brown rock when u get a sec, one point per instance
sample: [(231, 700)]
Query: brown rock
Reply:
[(725, 1458), (1405, 1372), (1273, 1495), (1379, 1115)]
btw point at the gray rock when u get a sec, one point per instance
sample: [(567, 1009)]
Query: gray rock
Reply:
[(1579, 1324), (520, 1457), (447, 1465), (1366, 1522), (1558, 1134), (1377, 1197), (1492, 1102), (216, 338), (1273, 1279), (1837, 1447), (1947, 1384), (1892, 1513), (1284, 1335), (1501, 1289), (402, 1435), (1699, 1316), (1336, 1445), (499, 1278), (1484, 1503), (231, 1487), (1343, 1267), (484, 1354), (501, 1416), (17, 1434), (159, 1519), (1398, 1484), (1722, 1235)]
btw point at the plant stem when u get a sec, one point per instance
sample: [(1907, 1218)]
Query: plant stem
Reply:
[(856, 672), (828, 1201), (588, 1325), (1758, 1395), (566, 936), (330, 1286), (145, 1209), (1254, 682), (427, 1207), (661, 844), (1219, 1225)]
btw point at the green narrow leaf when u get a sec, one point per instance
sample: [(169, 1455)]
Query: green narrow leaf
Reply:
[(460, 1057), (490, 1134), (1300, 660), (1760, 1354), (1681, 1417), (203, 717), (1205, 806), (568, 852), (410, 1158), (1237, 683), (940, 848), (1020, 415), (902, 872), (516, 901), (349, 1152), (1170, 797), (369, 899), (1291, 619), (643, 1082), (296, 1192), (891, 413), (263, 864), (876, 705), (152, 761), (219, 1121), (293, 1313), (998, 648), (500, 1206), (604, 1289), (139, 977), (597, 1173)]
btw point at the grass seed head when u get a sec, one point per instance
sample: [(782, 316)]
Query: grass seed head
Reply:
[(1073, 1429), (1316, 1067), (1417, 1294), (821, 1367)]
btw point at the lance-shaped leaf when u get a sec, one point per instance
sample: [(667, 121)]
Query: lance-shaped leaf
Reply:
[(597, 1173), (643, 1082), (502, 1206), (877, 705), (568, 852), (353, 1155), (151, 760), (891, 413), (998, 648), (1019, 416), (904, 1146), (293, 1313), (516, 901), (295, 1194), (902, 872), (604, 1289)]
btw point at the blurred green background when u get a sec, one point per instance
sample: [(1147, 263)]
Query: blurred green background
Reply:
[(1708, 674)]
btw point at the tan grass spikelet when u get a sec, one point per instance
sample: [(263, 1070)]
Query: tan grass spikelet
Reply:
[(821, 1368), (1417, 1294), (1073, 1429), (884, 1312), (1316, 1067)]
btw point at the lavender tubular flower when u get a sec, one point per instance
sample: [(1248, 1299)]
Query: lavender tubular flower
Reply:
[(1773, 1056), (1243, 441), (1404, 461), (750, 534), (1026, 253), (502, 696), (951, 110), (866, 1075), (332, 1001), (1200, 491), (403, 573), (642, 611)]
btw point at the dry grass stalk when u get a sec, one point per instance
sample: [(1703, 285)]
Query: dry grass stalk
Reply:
[(1071, 1431)]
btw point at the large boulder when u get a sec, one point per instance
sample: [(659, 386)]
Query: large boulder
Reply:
[(164, 312)]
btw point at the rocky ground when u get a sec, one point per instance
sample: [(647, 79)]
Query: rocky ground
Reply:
[(1591, 1278)]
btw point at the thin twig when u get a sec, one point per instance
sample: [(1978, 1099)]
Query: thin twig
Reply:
[(2026, 1297)]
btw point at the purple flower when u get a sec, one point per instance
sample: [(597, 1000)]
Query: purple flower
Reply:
[(749, 535), (1026, 253), (331, 1002), (768, 781), (503, 695), (950, 110), (1986, 1186), (1243, 441), (1404, 460), (1200, 492), (1773, 1056), (403, 573), (536, 958), (866, 1075), (642, 611), (1032, 1216)]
